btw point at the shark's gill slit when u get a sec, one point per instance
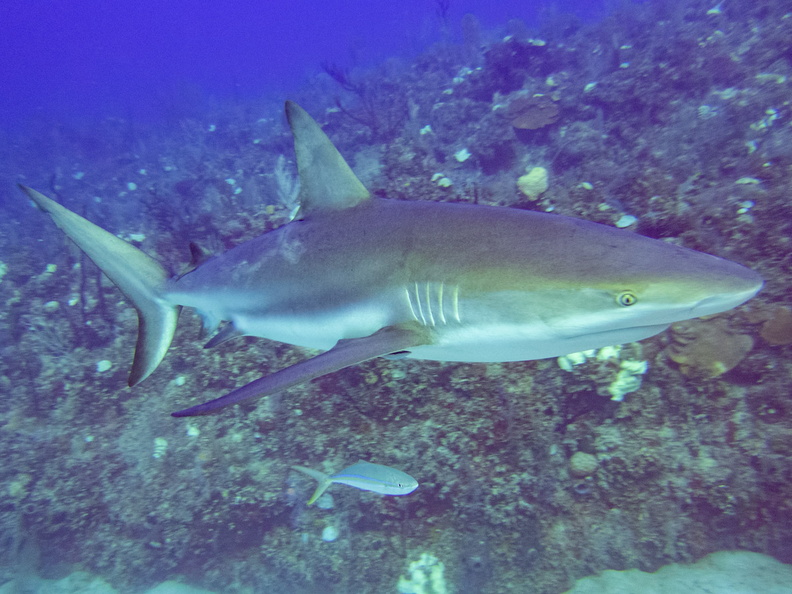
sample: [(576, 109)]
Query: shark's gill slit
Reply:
[(428, 291), (455, 304), (440, 304), (418, 304), (408, 298)]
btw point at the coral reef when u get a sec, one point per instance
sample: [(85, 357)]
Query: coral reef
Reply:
[(707, 348), (777, 326), (532, 113)]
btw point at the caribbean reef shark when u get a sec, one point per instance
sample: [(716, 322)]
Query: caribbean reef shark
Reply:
[(361, 277)]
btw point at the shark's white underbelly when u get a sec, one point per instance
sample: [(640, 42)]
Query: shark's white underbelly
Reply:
[(494, 344), (319, 329), (472, 342), (462, 330)]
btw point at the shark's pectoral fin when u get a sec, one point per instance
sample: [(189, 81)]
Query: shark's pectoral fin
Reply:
[(343, 354)]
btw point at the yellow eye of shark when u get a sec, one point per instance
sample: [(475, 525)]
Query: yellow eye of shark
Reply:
[(626, 299)]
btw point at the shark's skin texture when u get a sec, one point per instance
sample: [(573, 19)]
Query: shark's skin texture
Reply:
[(362, 277), (486, 283)]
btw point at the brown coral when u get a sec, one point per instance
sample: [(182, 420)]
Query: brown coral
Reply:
[(707, 348), (532, 113), (777, 328)]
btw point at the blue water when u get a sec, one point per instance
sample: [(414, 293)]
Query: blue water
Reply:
[(87, 59), (163, 123)]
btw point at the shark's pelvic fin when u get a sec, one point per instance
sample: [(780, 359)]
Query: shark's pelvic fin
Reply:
[(138, 275), (343, 354), (326, 181), (227, 333)]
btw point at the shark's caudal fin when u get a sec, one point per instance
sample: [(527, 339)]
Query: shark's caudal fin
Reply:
[(324, 482), (137, 275), (326, 181)]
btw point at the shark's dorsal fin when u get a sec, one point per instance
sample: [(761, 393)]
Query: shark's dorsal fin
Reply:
[(326, 181)]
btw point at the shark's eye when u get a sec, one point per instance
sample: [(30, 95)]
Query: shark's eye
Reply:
[(626, 299)]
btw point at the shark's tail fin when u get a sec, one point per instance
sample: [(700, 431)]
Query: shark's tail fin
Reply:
[(324, 481), (139, 277)]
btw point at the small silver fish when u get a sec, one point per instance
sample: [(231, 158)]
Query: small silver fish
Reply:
[(363, 475)]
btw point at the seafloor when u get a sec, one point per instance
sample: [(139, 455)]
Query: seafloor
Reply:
[(672, 119)]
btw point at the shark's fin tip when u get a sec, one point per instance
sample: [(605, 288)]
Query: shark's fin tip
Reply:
[(326, 180)]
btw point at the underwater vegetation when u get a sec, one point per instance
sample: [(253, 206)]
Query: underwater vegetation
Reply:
[(668, 119)]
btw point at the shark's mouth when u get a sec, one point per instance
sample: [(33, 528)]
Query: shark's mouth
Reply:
[(623, 335), (723, 302)]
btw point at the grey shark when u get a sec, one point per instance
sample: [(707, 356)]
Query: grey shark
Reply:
[(361, 277)]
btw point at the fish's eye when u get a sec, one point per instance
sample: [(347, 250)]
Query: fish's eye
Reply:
[(626, 299)]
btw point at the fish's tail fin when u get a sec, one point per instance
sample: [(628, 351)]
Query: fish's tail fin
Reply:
[(324, 481), (139, 277)]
